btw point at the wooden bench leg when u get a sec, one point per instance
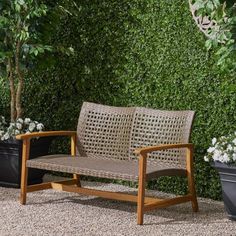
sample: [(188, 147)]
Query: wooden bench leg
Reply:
[(74, 140), (141, 189), (191, 184), (192, 191), (24, 171), (77, 177), (23, 188)]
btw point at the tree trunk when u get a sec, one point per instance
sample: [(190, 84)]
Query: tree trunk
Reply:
[(20, 82), (12, 89)]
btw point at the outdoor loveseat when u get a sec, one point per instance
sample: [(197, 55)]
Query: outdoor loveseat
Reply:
[(127, 143)]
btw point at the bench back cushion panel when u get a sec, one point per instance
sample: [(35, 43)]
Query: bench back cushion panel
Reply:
[(104, 131), (153, 127)]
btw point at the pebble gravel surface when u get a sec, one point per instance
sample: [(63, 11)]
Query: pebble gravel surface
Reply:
[(50, 212)]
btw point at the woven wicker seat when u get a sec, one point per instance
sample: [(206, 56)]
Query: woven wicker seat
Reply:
[(105, 168), (128, 143)]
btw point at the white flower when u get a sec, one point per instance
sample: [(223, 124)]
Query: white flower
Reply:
[(17, 132), (11, 125), (234, 141), (216, 156), (225, 158), (19, 126), (223, 149), (2, 119), (27, 121), (214, 141), (234, 157), (6, 136), (229, 147), (40, 126), (20, 120), (31, 126), (210, 149), (206, 159)]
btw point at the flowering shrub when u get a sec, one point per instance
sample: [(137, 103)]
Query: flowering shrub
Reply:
[(223, 150), (20, 126)]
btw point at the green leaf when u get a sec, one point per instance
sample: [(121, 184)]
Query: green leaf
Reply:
[(208, 44), (210, 5), (199, 4), (17, 7), (36, 52), (21, 2)]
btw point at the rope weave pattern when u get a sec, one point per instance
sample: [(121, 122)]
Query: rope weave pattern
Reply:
[(153, 127), (114, 132), (104, 131), (97, 167)]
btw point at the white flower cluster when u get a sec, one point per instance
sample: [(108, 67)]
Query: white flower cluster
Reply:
[(222, 150), (20, 126)]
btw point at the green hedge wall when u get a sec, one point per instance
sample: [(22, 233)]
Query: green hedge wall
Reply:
[(144, 53)]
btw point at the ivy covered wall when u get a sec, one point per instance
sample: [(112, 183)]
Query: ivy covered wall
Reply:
[(134, 53)]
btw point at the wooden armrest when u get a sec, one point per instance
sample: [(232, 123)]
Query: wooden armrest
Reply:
[(145, 150), (44, 134)]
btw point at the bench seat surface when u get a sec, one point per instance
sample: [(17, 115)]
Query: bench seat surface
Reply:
[(100, 167)]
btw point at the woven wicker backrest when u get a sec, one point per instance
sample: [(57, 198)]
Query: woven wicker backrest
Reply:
[(152, 127), (114, 132), (104, 131)]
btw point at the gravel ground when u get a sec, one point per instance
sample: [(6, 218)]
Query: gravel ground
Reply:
[(50, 212)]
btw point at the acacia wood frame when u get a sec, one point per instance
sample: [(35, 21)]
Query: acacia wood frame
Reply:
[(73, 185)]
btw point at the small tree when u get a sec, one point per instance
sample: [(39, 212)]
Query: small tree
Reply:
[(19, 44)]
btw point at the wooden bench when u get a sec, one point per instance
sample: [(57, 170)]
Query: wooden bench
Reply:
[(127, 143)]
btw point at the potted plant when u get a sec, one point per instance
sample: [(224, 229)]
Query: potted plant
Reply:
[(11, 151), (20, 45), (222, 156)]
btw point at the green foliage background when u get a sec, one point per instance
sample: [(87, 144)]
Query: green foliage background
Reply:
[(127, 53)]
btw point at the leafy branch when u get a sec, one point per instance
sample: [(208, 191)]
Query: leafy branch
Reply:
[(20, 44), (222, 36), (18, 36)]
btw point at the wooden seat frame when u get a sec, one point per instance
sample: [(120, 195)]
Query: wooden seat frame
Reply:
[(144, 204)]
